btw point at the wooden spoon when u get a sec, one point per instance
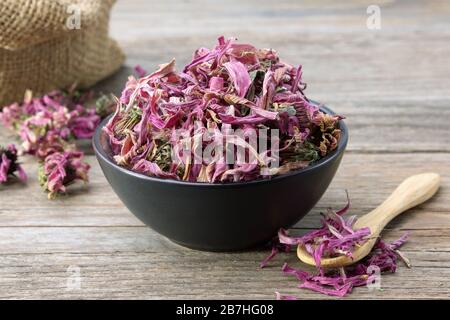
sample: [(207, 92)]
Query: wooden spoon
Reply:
[(410, 193)]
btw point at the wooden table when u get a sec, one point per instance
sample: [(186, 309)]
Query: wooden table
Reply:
[(392, 84)]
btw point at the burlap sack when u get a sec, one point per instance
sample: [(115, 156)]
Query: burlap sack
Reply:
[(40, 50)]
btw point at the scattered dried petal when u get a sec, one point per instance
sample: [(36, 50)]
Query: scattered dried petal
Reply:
[(334, 238)]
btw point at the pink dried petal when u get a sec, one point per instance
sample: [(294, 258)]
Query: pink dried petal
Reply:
[(239, 74), (22, 174), (327, 291), (4, 168), (272, 255), (216, 84), (285, 239), (141, 72), (152, 169)]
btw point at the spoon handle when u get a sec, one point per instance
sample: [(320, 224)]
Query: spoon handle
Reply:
[(410, 193)]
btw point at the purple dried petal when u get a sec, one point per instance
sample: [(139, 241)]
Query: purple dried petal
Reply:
[(22, 174), (285, 239), (152, 169), (299, 274), (82, 123), (399, 242), (269, 86), (239, 74), (141, 72), (252, 119), (297, 79), (4, 168), (9, 165), (327, 291), (272, 255), (216, 84), (347, 206)]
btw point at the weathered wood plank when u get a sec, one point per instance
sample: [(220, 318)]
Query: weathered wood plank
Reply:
[(369, 178), (141, 281), (405, 59), (378, 79), (168, 19), (130, 263), (19, 240)]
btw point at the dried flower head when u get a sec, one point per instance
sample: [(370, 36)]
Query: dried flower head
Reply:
[(52, 122), (48, 127), (9, 165), (61, 169)]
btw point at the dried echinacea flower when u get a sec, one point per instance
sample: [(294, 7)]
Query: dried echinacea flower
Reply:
[(230, 87), (337, 237), (61, 169), (140, 72), (49, 127), (55, 120), (340, 282), (54, 123), (9, 165)]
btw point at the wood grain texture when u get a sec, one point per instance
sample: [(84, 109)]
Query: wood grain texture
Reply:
[(393, 86), (95, 204), (137, 263)]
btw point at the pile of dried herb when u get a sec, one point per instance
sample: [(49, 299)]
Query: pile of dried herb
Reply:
[(337, 237), (61, 169), (231, 87), (50, 123), (49, 126), (9, 165)]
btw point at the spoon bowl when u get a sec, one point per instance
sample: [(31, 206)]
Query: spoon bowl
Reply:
[(410, 193)]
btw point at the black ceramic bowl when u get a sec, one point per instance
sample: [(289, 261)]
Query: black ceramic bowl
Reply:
[(220, 217)]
